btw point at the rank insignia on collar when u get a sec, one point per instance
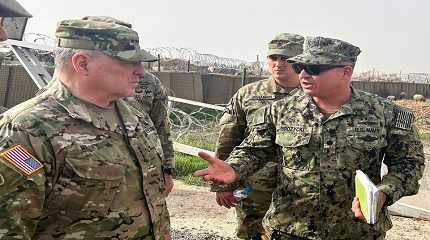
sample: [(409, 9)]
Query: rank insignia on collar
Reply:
[(21, 159)]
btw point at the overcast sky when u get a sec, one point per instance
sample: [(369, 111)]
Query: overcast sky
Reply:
[(393, 35)]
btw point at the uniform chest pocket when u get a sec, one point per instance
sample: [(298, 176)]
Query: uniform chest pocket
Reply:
[(87, 188), (295, 150)]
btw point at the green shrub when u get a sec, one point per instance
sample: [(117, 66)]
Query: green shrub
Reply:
[(186, 165), (425, 137)]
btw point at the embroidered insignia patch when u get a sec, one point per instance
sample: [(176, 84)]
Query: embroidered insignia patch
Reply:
[(21, 159), (403, 119)]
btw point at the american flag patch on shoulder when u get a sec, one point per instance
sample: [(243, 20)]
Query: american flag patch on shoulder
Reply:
[(403, 119), (21, 159)]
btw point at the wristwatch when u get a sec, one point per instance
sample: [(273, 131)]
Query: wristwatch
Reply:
[(168, 170)]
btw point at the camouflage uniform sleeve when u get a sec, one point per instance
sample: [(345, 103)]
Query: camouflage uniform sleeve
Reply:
[(160, 118), (232, 128), (21, 194), (232, 131), (404, 157), (258, 147)]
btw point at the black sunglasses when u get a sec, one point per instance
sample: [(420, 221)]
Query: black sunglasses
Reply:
[(314, 69)]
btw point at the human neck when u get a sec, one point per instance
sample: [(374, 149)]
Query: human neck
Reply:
[(332, 103), (85, 93), (288, 83)]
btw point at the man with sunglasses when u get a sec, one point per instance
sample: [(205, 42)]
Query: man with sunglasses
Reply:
[(324, 134), (234, 128)]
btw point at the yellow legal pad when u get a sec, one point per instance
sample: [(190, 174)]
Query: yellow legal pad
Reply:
[(368, 196)]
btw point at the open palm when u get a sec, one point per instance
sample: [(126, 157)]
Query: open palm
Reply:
[(217, 170)]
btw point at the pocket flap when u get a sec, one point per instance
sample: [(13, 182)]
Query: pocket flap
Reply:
[(293, 138), (91, 169)]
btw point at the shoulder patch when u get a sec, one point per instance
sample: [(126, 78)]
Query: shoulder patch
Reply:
[(21, 159), (260, 97), (403, 119)]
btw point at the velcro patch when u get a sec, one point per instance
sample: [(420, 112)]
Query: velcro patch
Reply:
[(403, 119), (21, 159)]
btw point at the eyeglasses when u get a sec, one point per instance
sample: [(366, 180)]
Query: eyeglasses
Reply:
[(314, 69)]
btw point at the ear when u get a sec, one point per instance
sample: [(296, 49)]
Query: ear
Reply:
[(348, 71), (80, 62)]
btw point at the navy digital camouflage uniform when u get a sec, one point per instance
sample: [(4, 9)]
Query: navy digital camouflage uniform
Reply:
[(151, 97), (320, 155), (101, 169), (234, 128)]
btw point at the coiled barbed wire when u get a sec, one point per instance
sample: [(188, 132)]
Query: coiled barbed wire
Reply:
[(197, 122), (186, 54), (201, 59)]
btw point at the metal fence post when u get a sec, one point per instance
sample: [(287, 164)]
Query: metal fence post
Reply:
[(244, 77), (159, 63)]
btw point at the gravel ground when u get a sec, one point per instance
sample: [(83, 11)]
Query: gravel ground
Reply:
[(196, 216)]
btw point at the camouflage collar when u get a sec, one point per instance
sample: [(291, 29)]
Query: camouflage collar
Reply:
[(77, 109), (278, 89), (304, 103)]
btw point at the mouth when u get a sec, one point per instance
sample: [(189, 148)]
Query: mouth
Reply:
[(306, 84), (279, 73)]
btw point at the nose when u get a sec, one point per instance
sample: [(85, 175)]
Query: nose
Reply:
[(303, 74), (278, 61)]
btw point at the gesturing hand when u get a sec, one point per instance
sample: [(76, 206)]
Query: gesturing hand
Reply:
[(217, 171), (226, 199)]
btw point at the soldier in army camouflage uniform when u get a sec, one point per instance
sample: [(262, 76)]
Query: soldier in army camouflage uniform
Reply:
[(77, 161), (240, 112), (151, 97), (324, 134)]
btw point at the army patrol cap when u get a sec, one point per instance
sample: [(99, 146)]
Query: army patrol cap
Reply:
[(11, 8), (108, 35), (107, 19), (321, 50), (287, 44)]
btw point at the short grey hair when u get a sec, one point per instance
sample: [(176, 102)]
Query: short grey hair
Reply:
[(63, 56), (350, 63)]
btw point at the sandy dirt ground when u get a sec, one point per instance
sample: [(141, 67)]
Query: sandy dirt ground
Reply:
[(196, 216)]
